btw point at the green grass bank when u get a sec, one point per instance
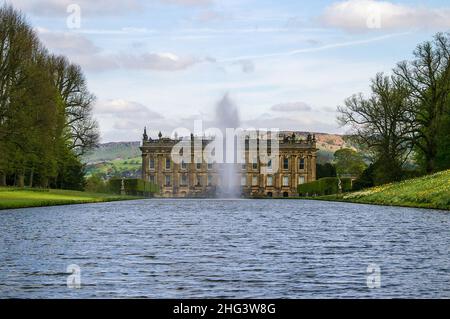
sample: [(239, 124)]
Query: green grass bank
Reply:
[(432, 191), (11, 198)]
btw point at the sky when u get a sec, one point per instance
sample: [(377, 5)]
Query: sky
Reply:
[(284, 64)]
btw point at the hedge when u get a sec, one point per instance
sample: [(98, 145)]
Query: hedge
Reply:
[(325, 186), (133, 187)]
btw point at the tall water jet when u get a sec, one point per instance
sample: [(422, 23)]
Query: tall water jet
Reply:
[(227, 117)]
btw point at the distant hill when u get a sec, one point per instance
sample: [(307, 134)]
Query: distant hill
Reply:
[(327, 144), (113, 151), (124, 158)]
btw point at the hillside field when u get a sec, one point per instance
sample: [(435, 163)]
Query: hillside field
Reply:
[(431, 191)]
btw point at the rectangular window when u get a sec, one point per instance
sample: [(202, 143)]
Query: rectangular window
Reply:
[(199, 166), (152, 163), (301, 164), (286, 163), (183, 165), (151, 179), (269, 164), (270, 181), (199, 181), (301, 180), (244, 167), (255, 181), (168, 163), (243, 180), (285, 181), (210, 166), (210, 180), (183, 180), (168, 180), (255, 163)]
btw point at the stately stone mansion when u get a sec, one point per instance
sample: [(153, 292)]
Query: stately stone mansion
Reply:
[(297, 165)]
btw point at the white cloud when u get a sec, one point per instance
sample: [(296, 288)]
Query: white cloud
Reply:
[(67, 42), (306, 124), (292, 107), (157, 61), (83, 51), (59, 7), (188, 2), (100, 7), (125, 109), (329, 109), (95, 62), (372, 14), (78, 48), (122, 120)]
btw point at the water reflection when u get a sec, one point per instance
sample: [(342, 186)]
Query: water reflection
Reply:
[(224, 248)]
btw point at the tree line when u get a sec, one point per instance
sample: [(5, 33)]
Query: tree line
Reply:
[(405, 120), (46, 121)]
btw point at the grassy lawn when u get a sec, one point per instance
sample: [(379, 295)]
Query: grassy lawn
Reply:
[(11, 198), (431, 191)]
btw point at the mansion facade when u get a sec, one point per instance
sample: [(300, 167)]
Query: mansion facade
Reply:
[(297, 165)]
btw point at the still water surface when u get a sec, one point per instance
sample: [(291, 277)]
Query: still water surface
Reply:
[(224, 248)]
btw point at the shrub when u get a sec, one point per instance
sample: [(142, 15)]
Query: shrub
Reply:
[(134, 187), (366, 180), (347, 184), (325, 186), (326, 170), (95, 184)]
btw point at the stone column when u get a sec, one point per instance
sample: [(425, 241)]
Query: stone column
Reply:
[(159, 172), (145, 167), (294, 178), (175, 178), (314, 167), (309, 167)]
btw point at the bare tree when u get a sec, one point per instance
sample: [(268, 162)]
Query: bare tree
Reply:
[(382, 123), (428, 77), (80, 129)]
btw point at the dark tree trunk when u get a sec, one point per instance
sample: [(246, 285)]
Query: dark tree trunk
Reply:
[(31, 177), (44, 182), (2, 179), (21, 180), (430, 158), (430, 165)]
